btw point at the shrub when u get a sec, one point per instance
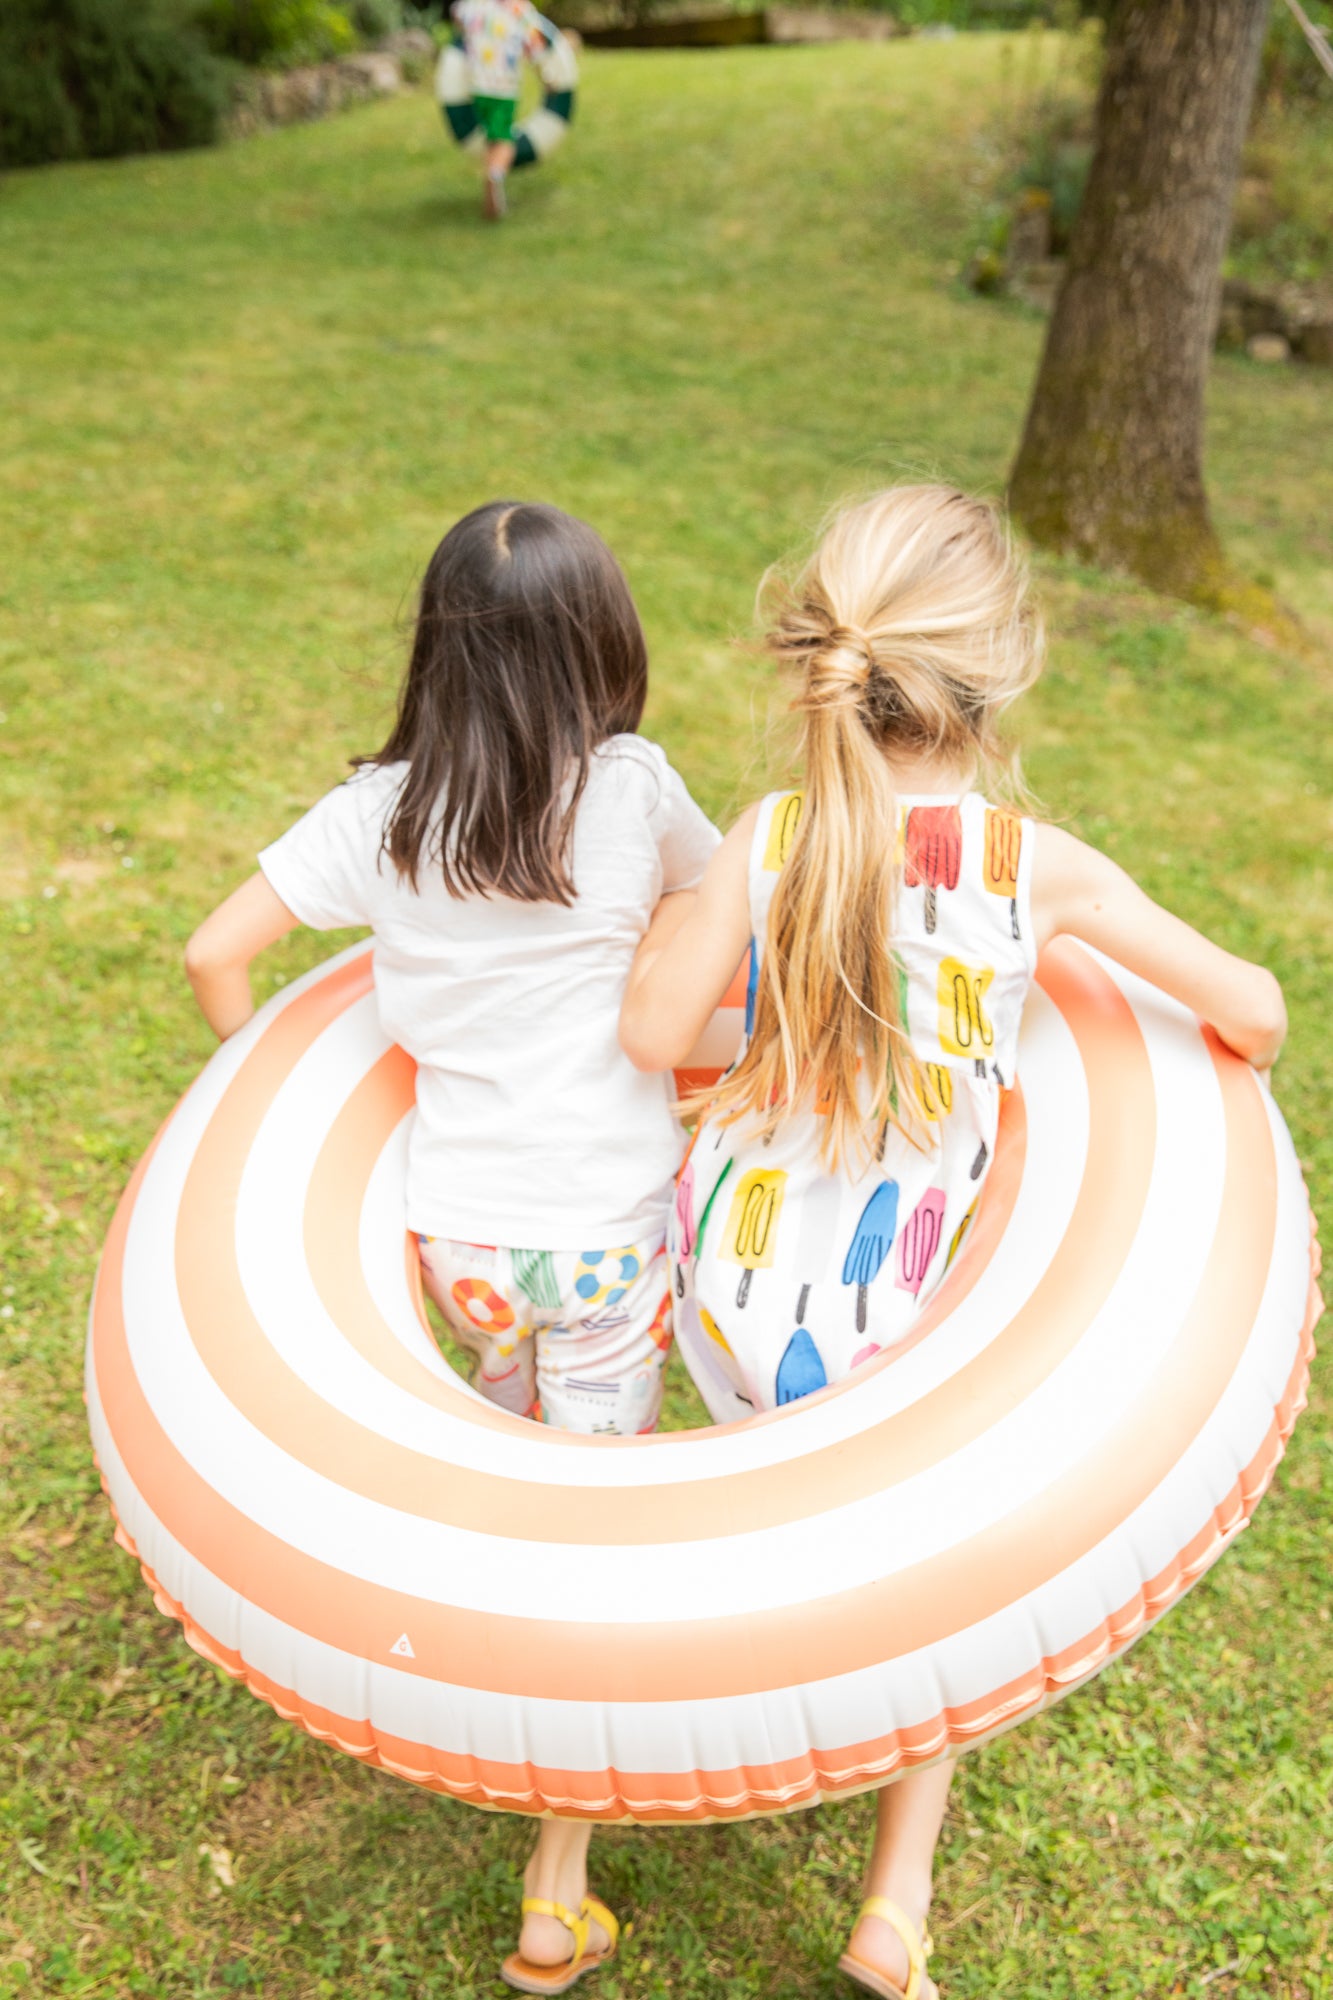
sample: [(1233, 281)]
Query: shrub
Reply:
[(992, 13), (86, 79), (278, 34), (374, 19), (1057, 164)]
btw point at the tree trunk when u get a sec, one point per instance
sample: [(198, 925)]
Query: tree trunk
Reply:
[(1111, 463)]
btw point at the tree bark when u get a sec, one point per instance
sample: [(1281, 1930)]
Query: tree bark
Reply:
[(1111, 463)]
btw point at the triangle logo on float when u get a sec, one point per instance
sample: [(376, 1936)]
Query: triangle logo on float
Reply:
[(403, 1647)]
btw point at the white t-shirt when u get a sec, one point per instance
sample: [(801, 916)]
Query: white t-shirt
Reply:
[(533, 1129)]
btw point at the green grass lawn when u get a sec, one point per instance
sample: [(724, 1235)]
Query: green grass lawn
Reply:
[(241, 396)]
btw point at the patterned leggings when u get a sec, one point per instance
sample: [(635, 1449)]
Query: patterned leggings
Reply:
[(577, 1339)]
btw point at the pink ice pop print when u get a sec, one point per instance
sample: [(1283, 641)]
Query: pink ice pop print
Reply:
[(933, 852), (684, 1223), (920, 1239)]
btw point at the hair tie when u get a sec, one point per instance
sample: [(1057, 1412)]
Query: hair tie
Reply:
[(840, 665)]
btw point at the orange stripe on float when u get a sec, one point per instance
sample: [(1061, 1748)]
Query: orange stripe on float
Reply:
[(810, 1641), (333, 1252), (258, 1382), (739, 1791), (686, 1080)]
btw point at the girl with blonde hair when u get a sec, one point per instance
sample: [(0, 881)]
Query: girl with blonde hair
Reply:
[(894, 908)]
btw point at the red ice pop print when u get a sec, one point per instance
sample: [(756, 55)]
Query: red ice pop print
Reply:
[(933, 852), (920, 1239)]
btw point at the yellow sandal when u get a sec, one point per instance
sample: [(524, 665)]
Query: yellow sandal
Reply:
[(918, 1951), (526, 1977)]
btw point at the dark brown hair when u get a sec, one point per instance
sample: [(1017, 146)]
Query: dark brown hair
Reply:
[(527, 654)]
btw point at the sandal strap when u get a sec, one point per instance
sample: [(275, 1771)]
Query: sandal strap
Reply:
[(918, 1948), (576, 1925), (593, 1907)]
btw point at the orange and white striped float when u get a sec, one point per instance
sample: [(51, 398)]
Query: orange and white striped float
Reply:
[(776, 1612)]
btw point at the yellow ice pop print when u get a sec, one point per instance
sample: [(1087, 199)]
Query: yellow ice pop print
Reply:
[(965, 1026), (782, 830), (714, 1331), (1004, 844), (956, 1241), (934, 1089), (752, 1225)]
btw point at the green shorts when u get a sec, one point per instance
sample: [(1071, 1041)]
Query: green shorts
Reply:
[(495, 115)]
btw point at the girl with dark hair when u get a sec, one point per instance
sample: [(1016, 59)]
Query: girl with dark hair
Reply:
[(508, 845)]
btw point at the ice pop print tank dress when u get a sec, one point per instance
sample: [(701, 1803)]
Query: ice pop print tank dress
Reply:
[(787, 1276)]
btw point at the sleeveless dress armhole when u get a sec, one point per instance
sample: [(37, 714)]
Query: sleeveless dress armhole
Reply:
[(1026, 864), (774, 830)]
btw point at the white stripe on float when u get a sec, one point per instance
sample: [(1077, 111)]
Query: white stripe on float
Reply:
[(382, 1234), (315, 1311), (835, 1546), (1052, 1613), (633, 1738), (221, 1444), (270, 1240), (840, 1548), (377, 1543), (1234, 1433), (1115, 1361), (672, 1737), (271, 1252), (180, 1141), (452, 85), (544, 129), (1013, 1272)]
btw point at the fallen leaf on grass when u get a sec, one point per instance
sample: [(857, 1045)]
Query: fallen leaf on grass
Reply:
[(115, 1683), (222, 1862)]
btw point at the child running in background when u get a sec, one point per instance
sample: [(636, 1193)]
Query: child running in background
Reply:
[(507, 847), (496, 36), (896, 906)]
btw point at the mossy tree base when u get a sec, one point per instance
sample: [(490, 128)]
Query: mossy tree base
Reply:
[(1111, 462)]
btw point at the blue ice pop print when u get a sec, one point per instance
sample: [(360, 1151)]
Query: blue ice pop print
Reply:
[(871, 1244), (751, 989), (800, 1370)]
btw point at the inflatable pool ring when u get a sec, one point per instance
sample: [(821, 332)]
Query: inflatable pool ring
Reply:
[(798, 1607), (536, 136)]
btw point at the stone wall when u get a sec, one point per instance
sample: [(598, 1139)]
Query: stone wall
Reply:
[(292, 96), (1291, 322)]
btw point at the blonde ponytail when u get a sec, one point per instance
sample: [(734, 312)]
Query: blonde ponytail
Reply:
[(910, 631)]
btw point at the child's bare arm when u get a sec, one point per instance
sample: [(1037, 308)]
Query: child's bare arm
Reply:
[(688, 958), (1080, 892), (217, 958)]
